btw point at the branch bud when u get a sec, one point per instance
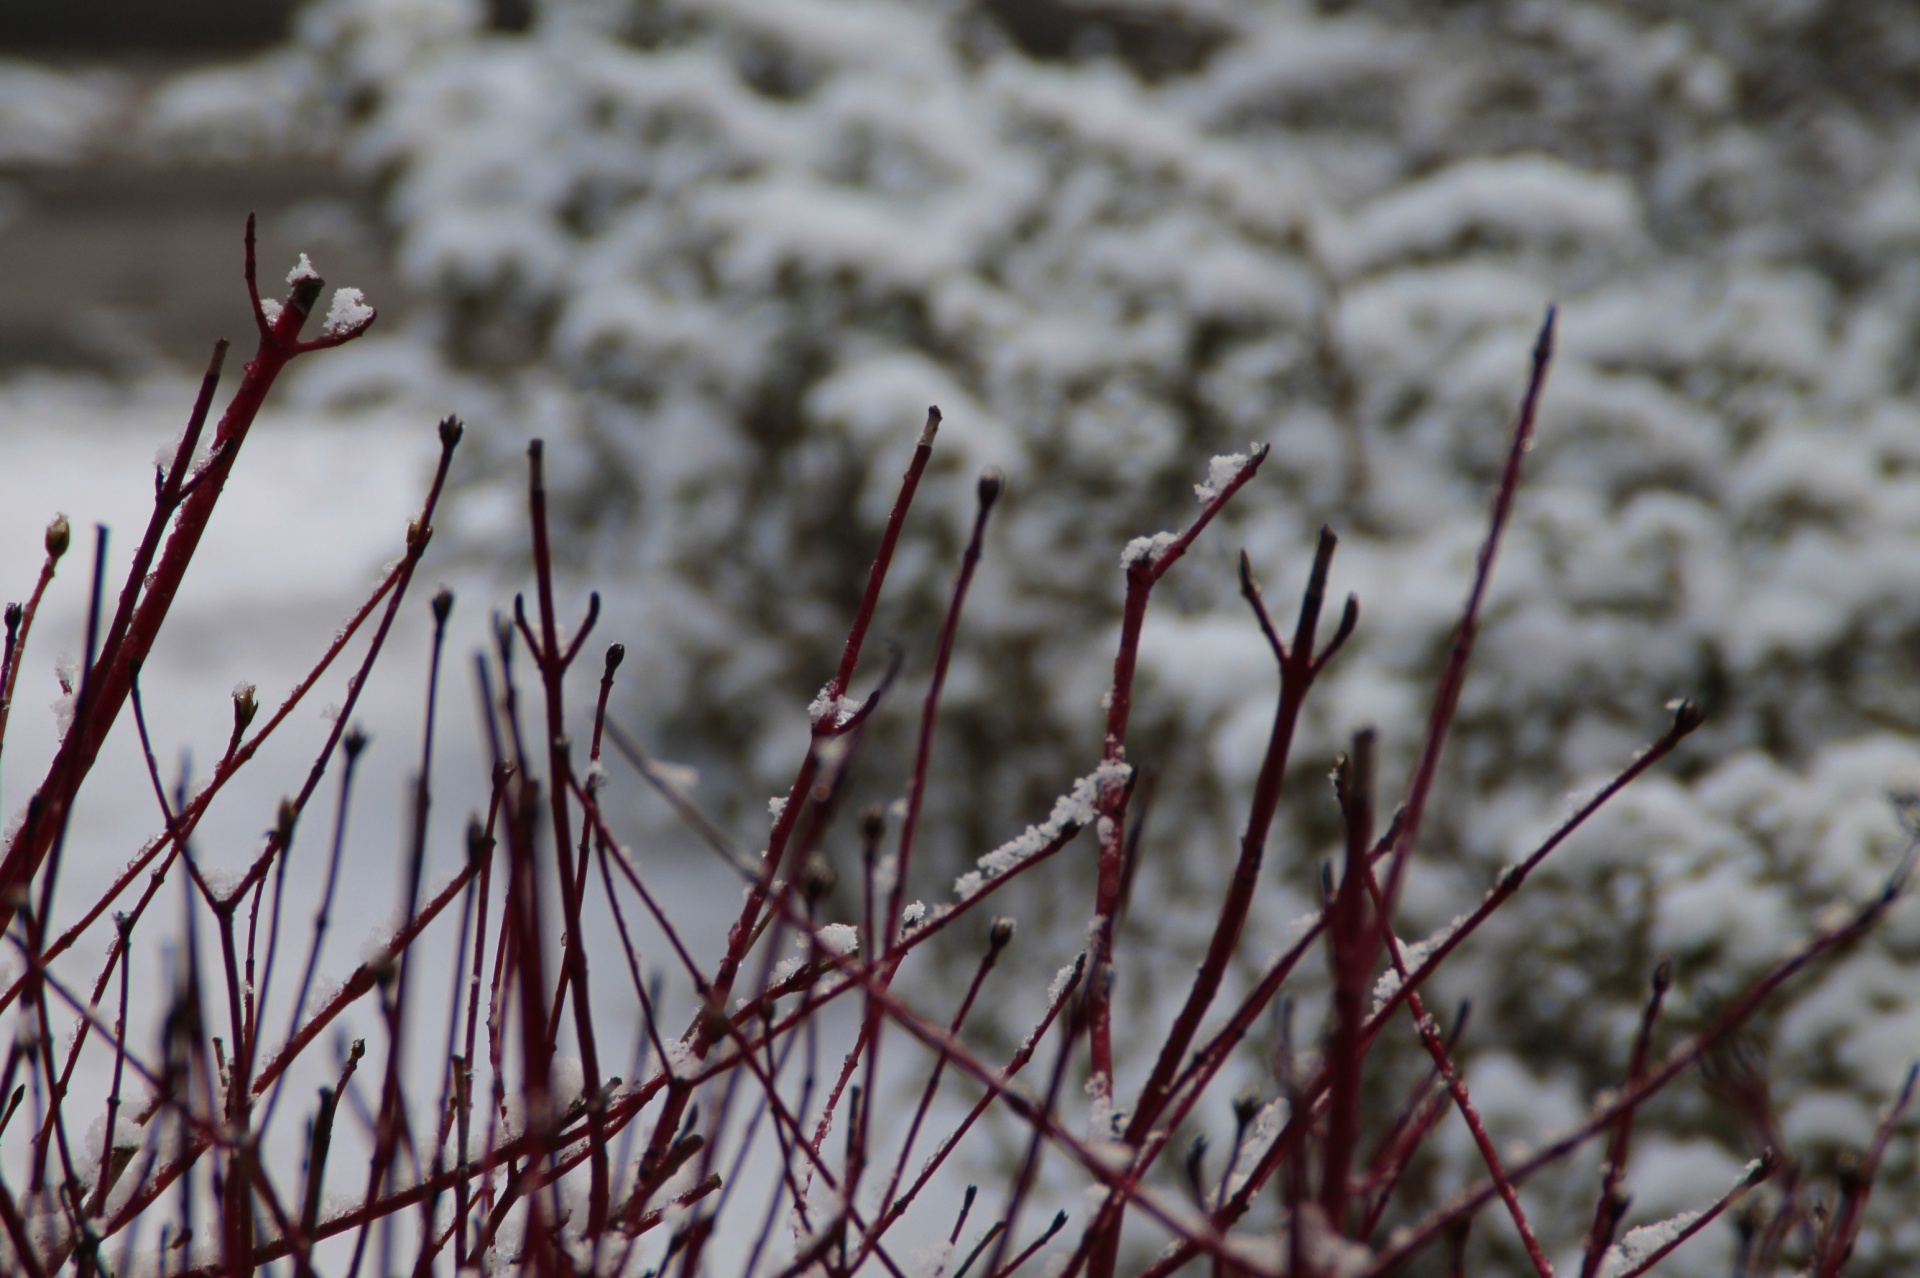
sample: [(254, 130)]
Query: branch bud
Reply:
[(246, 704), (478, 844), (1246, 1105), (59, 536), (819, 877), (1000, 935), (992, 480)]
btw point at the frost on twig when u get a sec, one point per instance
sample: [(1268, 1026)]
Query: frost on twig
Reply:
[(1415, 956), (1071, 812), (1221, 471)]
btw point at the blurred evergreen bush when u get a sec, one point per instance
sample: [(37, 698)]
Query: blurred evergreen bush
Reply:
[(732, 248)]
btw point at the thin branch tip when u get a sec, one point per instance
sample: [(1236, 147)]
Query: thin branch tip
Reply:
[(1688, 715)]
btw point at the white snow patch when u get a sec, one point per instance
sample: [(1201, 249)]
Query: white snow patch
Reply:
[(1642, 1241), (1148, 548), (1220, 473), (1074, 810), (825, 708), (348, 311), (842, 939), (1058, 986), (1416, 954)]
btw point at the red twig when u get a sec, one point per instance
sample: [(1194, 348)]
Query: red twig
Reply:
[(1856, 1185), (1737, 1011), (1353, 939), (278, 344), (1700, 1220), (1454, 676), (1612, 1205), (1147, 560)]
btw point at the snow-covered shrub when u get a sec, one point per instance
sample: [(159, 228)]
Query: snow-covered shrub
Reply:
[(733, 247)]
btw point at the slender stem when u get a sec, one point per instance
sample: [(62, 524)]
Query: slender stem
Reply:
[(1453, 676), (1612, 1204), (30, 846)]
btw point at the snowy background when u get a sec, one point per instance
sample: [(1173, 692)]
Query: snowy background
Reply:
[(723, 254)]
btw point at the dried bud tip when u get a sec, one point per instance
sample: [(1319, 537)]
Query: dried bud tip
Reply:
[(1245, 1106), (819, 877), (932, 427), (991, 482), (1663, 976), (477, 841), (873, 823), (1543, 345), (1849, 1169), (14, 613), (59, 536), (1688, 714), (1246, 573), (450, 431), (304, 269), (1000, 935), (355, 741), (442, 605), (616, 653), (246, 703), (284, 821)]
